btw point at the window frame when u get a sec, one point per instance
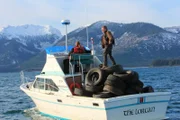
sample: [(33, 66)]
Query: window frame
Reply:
[(36, 81), (53, 86), (44, 81)]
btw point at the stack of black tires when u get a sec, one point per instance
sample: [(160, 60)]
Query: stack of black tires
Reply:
[(113, 81)]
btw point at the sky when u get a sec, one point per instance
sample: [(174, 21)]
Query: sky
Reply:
[(164, 13)]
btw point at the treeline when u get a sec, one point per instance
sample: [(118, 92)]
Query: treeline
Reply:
[(167, 62)]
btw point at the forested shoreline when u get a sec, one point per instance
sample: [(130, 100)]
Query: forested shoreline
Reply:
[(166, 62)]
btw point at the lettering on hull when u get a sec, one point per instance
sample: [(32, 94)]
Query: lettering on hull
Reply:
[(131, 112)]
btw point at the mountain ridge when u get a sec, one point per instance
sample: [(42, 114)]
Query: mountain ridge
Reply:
[(29, 30), (20, 43), (137, 44), (141, 41)]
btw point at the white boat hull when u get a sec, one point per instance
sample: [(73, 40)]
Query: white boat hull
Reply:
[(150, 106)]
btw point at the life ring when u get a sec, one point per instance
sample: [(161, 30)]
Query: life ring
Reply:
[(74, 85)]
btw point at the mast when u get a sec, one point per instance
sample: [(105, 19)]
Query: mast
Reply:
[(87, 32), (66, 23)]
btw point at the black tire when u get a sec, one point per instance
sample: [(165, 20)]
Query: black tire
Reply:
[(136, 87), (114, 69), (78, 91), (93, 89), (140, 83), (130, 91), (115, 82), (148, 89), (95, 77), (129, 77), (101, 65), (87, 93), (104, 94), (112, 77), (116, 91)]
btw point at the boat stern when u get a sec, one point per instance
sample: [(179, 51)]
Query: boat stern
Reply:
[(150, 106)]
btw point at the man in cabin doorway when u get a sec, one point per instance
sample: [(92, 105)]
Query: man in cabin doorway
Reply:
[(78, 49), (107, 42)]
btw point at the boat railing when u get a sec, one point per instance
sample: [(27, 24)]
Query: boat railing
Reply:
[(24, 80), (72, 71), (81, 59)]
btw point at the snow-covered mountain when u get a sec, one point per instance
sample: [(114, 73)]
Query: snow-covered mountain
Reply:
[(19, 43), (136, 43), (22, 33), (175, 29), (29, 30)]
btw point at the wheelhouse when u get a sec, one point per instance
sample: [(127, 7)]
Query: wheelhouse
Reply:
[(61, 71)]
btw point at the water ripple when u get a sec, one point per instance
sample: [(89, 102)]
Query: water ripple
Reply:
[(15, 105)]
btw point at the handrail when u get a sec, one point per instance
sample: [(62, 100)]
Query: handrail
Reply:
[(82, 59), (61, 55), (79, 57), (72, 71), (82, 74), (24, 79)]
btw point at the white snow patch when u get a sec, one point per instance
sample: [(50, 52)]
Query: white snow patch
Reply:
[(121, 25), (5, 44), (29, 30), (79, 29), (22, 41), (37, 47), (45, 45), (21, 49), (13, 62), (168, 36), (175, 29)]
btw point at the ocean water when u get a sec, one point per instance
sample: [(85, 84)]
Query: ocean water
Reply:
[(15, 105)]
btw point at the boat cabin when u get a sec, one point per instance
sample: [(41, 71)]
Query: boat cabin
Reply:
[(61, 72)]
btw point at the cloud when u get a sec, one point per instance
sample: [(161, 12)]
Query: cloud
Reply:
[(82, 12)]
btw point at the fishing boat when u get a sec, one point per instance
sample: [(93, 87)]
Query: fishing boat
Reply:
[(52, 93)]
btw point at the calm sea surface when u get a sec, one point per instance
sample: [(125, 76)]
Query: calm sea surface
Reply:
[(15, 105)]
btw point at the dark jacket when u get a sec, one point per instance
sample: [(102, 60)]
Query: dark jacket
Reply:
[(107, 39)]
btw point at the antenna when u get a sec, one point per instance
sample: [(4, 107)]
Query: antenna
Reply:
[(87, 36), (92, 42), (66, 23), (87, 32)]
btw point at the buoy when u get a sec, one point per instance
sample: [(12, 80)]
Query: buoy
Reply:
[(74, 85)]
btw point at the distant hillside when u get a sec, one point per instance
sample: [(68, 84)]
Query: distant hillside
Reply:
[(166, 62), (137, 44), (175, 29), (20, 43)]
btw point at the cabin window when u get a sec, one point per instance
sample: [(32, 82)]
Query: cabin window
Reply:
[(39, 83), (50, 85)]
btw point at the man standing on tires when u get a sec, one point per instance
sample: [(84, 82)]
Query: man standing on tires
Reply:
[(107, 42)]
